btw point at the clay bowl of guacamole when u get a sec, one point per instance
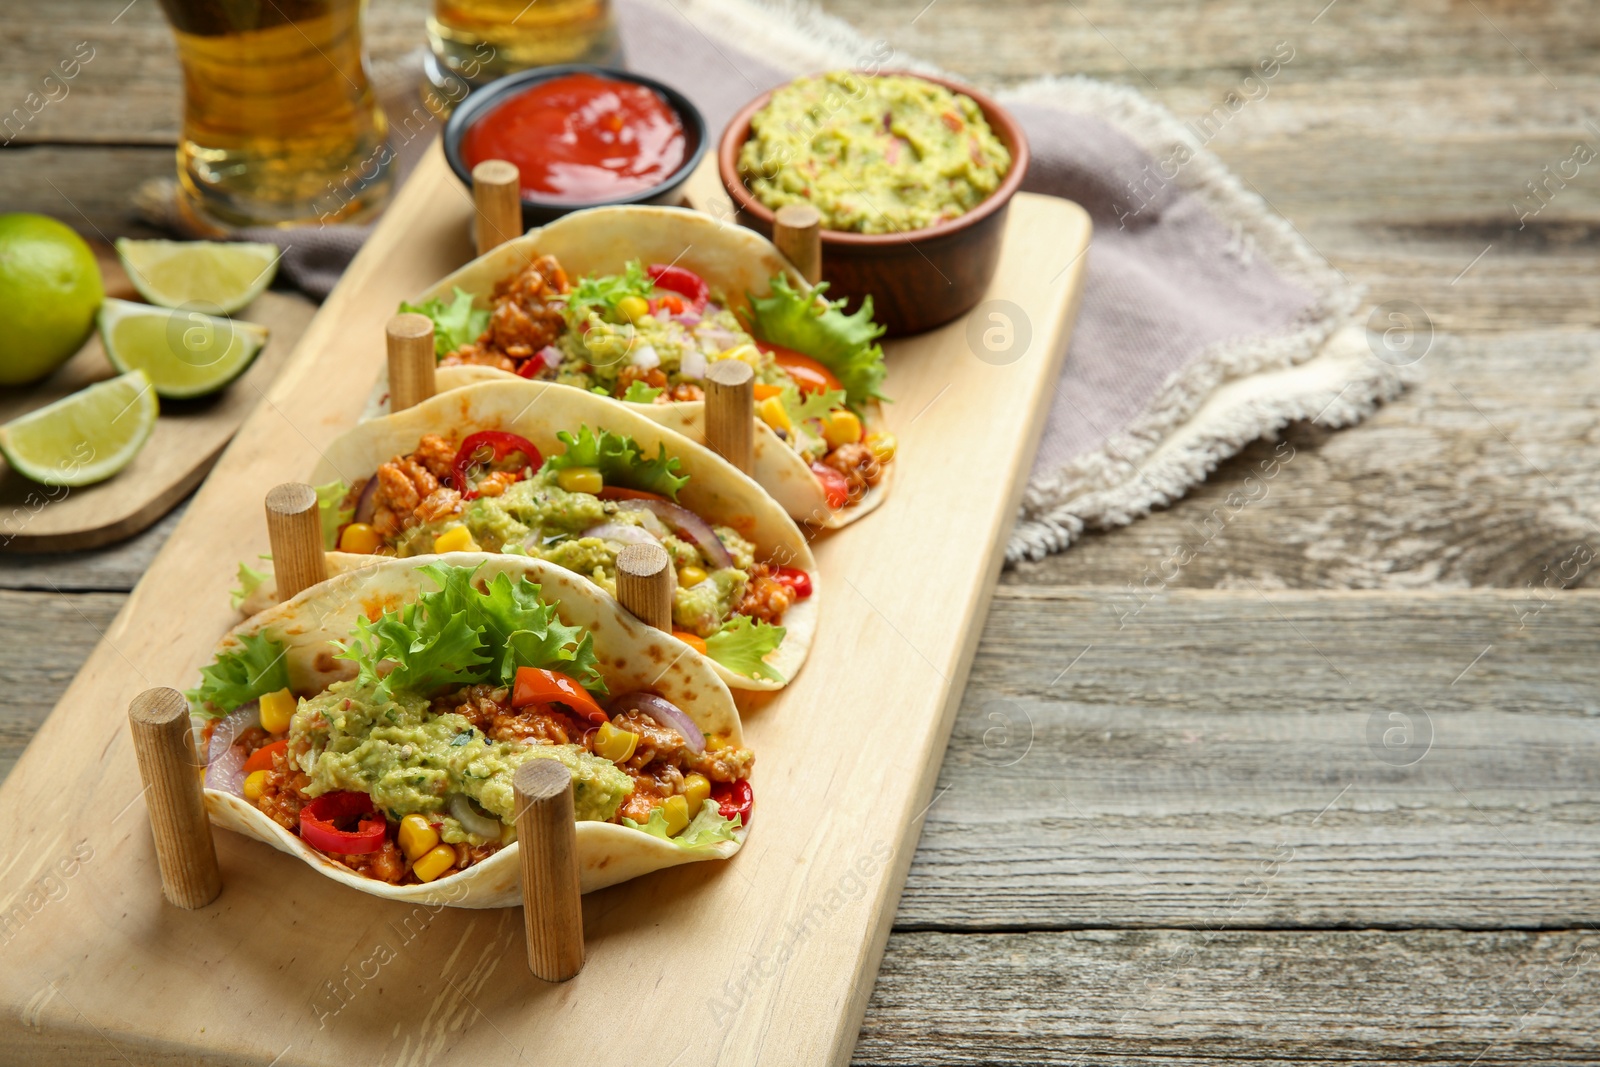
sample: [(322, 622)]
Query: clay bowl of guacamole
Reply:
[(912, 175)]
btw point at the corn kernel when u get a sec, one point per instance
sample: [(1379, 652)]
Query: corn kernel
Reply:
[(434, 862), (581, 480), (455, 539), (841, 427), (417, 837), (633, 308), (276, 711), (359, 537), (677, 810), (882, 445), (696, 790), (745, 353), (772, 413), (614, 744), (255, 784), (691, 575)]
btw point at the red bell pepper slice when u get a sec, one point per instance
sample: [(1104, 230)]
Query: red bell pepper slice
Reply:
[(810, 375), (685, 283), (535, 685), (734, 798), (320, 818), (261, 758), (834, 487), (796, 579), (618, 492), (499, 445)]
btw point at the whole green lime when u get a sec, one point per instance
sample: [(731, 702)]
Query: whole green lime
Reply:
[(49, 291)]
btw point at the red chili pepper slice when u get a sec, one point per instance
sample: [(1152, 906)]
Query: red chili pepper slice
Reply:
[(499, 445), (535, 685), (834, 487), (531, 367), (685, 283), (734, 798), (795, 579), (261, 758), (319, 824)]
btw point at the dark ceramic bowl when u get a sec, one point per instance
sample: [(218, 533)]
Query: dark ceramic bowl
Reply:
[(918, 279), (537, 210)]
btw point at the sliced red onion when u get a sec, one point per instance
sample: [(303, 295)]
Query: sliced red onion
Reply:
[(645, 357), (689, 525), (666, 713), (720, 339), (711, 309), (471, 821), (621, 531), (693, 364), (224, 763), (366, 503), (687, 318), (551, 356)]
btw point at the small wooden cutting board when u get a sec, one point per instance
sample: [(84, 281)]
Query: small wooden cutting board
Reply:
[(187, 439)]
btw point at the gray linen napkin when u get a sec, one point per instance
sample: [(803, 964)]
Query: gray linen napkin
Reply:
[(1206, 321)]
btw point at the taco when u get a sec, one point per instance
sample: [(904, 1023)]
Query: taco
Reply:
[(534, 469), (634, 303), (371, 726)]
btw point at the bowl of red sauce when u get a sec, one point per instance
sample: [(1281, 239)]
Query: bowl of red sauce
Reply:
[(580, 137)]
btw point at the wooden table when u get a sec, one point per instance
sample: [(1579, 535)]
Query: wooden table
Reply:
[(1170, 826)]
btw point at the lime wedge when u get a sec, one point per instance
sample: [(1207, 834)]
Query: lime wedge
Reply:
[(83, 438), (216, 276), (185, 353)]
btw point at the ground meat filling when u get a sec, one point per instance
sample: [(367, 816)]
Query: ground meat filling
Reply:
[(861, 469), (524, 317), (658, 766)]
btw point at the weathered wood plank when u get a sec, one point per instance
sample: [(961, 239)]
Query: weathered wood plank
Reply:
[(115, 568), (1270, 760), (1235, 785), (48, 636), (1144, 997), (1476, 477)]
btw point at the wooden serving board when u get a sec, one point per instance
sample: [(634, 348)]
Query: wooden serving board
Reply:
[(188, 438), (767, 959)]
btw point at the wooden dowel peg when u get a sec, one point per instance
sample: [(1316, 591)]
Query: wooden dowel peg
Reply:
[(547, 834), (645, 581), (411, 360), (730, 407), (163, 743), (497, 193), (294, 527), (797, 231)]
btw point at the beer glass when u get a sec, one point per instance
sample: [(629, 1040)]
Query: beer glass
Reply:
[(280, 124), (480, 40)]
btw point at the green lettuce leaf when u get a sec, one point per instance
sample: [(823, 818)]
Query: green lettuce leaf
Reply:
[(250, 580), (842, 343), (240, 675), (601, 292), (742, 646), (801, 407), (620, 461), (459, 635), (640, 393), (707, 829), (454, 324), (330, 499)]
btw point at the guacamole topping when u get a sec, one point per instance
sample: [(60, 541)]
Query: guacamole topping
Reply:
[(882, 154), (410, 761)]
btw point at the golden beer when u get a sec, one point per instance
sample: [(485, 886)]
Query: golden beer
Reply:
[(280, 125), (480, 40)]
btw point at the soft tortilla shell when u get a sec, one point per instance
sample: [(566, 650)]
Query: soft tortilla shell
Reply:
[(538, 410), (735, 260), (631, 654)]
